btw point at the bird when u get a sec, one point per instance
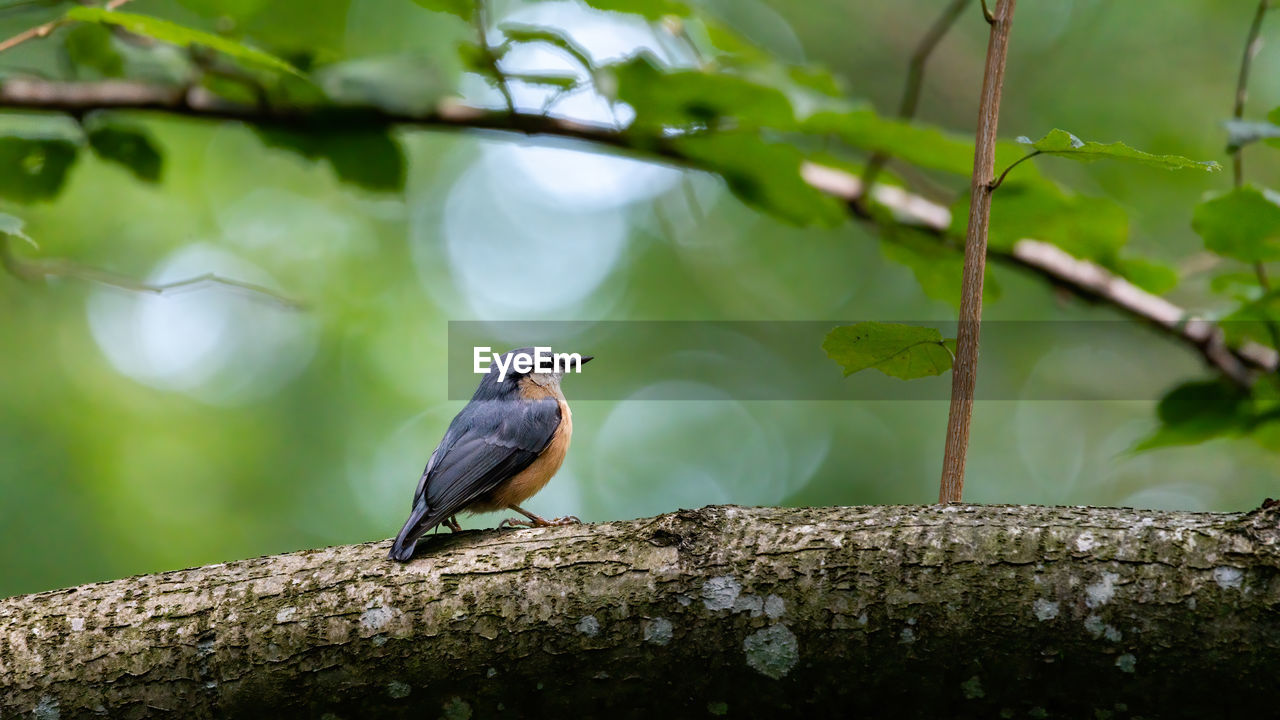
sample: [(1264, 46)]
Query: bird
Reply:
[(499, 451)]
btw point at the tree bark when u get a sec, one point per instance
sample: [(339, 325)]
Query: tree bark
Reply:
[(965, 611)]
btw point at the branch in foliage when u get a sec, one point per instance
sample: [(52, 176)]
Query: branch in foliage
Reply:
[(45, 29), (1253, 41), (1085, 279), (915, 78)]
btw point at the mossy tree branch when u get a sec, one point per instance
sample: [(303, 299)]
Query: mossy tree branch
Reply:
[(956, 611)]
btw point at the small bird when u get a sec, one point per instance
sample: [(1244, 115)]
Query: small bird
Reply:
[(499, 451)]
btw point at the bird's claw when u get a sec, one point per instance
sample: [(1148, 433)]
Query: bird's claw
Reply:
[(539, 522)]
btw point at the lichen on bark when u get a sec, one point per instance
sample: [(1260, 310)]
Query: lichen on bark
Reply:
[(965, 611)]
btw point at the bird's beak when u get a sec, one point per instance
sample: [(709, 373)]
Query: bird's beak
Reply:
[(587, 358)]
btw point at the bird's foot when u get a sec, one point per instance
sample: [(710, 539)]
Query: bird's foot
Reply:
[(536, 521), (452, 523)]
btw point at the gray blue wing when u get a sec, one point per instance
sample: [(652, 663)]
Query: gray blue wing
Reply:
[(488, 442)]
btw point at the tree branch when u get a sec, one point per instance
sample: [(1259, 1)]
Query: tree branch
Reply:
[(964, 372), (1085, 279), (44, 268), (981, 611), (44, 30), (1252, 43)]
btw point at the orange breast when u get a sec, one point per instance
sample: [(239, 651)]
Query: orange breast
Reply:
[(533, 478)]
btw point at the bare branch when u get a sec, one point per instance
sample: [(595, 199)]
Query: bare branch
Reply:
[(56, 267)]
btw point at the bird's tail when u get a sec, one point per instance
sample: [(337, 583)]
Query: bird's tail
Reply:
[(402, 548)]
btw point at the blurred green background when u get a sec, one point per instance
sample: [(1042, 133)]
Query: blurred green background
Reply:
[(142, 433)]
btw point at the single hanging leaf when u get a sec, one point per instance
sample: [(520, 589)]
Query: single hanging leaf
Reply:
[(176, 34), (34, 168), (126, 144), (371, 159), (1198, 411), (1063, 143), (1243, 132), (901, 351), (1243, 224)]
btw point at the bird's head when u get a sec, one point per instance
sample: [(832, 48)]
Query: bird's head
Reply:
[(530, 371)]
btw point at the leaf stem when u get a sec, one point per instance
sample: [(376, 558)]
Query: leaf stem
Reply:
[(1000, 180), (965, 374)]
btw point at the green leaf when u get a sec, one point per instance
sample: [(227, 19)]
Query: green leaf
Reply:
[(1063, 143), (681, 98), (1244, 132), (923, 145), (33, 168), (1147, 274), (763, 174), (371, 159), (461, 8), (937, 267), (13, 226), (901, 351), (1198, 411), (1087, 227), (1251, 320), (175, 34), (1242, 286), (90, 46), (1243, 224), (516, 32), (126, 144)]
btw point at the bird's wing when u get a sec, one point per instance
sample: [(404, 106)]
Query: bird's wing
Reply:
[(489, 441)]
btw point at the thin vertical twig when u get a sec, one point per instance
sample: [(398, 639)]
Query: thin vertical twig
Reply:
[(1252, 43), (965, 370), (915, 82), (481, 21)]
